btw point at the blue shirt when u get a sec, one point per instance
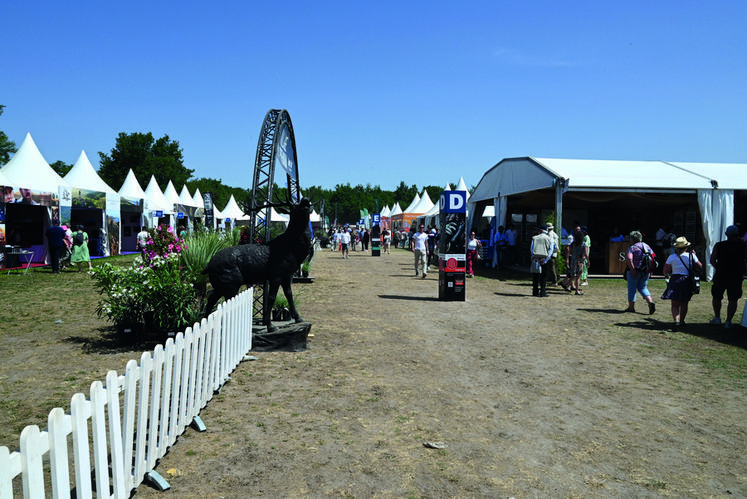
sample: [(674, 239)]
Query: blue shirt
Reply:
[(56, 236)]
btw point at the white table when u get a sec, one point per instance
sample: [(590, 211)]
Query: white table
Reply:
[(23, 256)]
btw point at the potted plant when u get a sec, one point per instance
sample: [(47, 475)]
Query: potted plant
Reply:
[(305, 268), (280, 311)]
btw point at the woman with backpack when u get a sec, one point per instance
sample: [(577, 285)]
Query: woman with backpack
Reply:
[(679, 267), (640, 265), (80, 248)]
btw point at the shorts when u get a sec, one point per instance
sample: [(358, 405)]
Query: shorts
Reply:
[(343, 246), (733, 289)]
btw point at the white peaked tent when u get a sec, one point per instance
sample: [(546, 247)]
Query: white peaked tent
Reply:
[(158, 202), (131, 188), (156, 198), (423, 205), (29, 170), (234, 213), (171, 195), (412, 205), (396, 210), (3, 179), (184, 197), (197, 199), (83, 176), (134, 211)]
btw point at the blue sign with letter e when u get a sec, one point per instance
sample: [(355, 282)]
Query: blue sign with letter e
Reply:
[(453, 202)]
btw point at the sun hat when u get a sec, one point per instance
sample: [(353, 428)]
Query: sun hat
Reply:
[(681, 242), (549, 226), (732, 230)]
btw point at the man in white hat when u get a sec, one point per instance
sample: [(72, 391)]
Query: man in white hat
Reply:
[(729, 258)]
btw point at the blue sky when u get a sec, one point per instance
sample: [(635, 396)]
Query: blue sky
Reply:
[(383, 91)]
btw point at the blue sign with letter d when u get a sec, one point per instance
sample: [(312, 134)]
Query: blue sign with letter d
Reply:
[(453, 202)]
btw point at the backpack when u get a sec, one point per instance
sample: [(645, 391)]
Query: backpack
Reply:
[(648, 261), (79, 238), (668, 241)]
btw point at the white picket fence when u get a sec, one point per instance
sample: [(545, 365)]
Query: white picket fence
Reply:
[(135, 417)]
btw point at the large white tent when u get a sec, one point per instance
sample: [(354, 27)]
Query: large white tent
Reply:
[(158, 201), (82, 177), (27, 218), (556, 181), (28, 169)]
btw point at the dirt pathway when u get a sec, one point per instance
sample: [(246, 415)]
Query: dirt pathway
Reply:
[(533, 397)]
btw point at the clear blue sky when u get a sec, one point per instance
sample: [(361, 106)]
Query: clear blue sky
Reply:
[(382, 91)]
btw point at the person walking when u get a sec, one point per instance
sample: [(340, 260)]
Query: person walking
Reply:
[(678, 268), (420, 250), (345, 243), (728, 258), (56, 242), (637, 275), (432, 240), (473, 246), (80, 248), (578, 254), (541, 249)]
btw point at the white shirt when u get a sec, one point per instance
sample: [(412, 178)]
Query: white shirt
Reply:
[(419, 240), (345, 238), (678, 267)]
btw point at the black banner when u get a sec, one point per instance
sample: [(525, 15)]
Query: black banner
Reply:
[(207, 200)]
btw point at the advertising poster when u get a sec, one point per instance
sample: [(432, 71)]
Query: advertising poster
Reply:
[(452, 260)]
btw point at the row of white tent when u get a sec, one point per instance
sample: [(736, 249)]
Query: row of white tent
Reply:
[(28, 169)]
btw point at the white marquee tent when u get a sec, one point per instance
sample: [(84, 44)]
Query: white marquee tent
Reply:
[(712, 185)]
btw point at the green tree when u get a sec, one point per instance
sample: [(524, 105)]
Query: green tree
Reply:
[(146, 156), (7, 147), (61, 167)]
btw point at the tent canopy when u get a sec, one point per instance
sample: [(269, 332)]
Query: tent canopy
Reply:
[(518, 175), (83, 176), (28, 169)]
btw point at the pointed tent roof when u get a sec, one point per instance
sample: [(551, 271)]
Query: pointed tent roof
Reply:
[(157, 200), (131, 188), (185, 198), (461, 186), (415, 201), (423, 205), (197, 198), (233, 211), (28, 169), (171, 195), (83, 176), (385, 212), (396, 210)]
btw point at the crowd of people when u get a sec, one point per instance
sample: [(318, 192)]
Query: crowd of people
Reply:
[(672, 256)]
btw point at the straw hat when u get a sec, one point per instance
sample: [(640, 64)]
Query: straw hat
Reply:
[(681, 242)]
